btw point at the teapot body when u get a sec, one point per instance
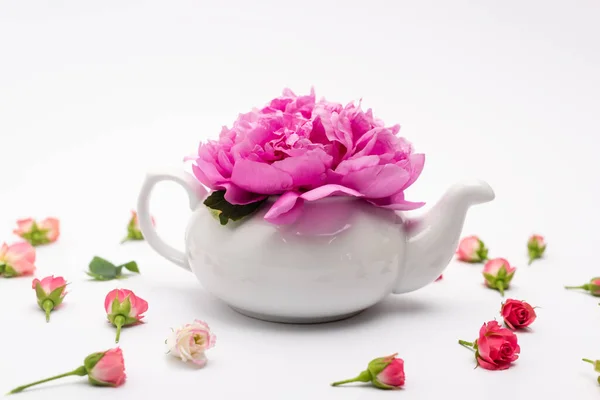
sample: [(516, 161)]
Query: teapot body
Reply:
[(341, 256)]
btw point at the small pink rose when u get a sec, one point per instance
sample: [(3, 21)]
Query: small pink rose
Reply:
[(17, 259), (593, 287), (50, 292), (517, 314), (38, 232), (124, 308), (536, 246), (190, 342), (133, 228), (498, 274), (496, 348), (472, 250), (383, 373), (105, 368)]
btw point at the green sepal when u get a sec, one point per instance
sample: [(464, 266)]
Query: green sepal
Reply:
[(2, 266), (482, 252), (39, 293), (90, 361), (381, 385), (491, 279), (502, 273), (56, 295), (234, 212), (98, 383), (377, 365), (9, 272)]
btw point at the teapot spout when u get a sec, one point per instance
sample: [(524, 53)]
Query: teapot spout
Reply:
[(433, 238)]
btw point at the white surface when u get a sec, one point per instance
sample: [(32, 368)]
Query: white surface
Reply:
[(92, 94)]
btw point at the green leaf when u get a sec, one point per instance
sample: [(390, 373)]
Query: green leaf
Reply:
[(100, 266), (216, 201), (97, 276), (131, 266)]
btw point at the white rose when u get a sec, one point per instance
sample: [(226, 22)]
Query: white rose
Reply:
[(190, 342)]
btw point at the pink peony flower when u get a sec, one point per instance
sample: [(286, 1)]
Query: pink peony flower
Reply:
[(496, 348), (383, 373), (17, 259), (190, 342), (105, 368), (306, 150), (536, 246), (498, 274), (124, 308), (50, 293), (517, 314), (38, 233), (471, 249)]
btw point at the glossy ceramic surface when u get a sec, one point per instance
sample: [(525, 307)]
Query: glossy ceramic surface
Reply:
[(340, 257)]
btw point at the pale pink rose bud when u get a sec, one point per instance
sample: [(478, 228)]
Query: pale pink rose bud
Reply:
[(593, 287), (536, 246), (50, 292), (190, 342), (105, 368), (472, 250), (383, 373), (498, 274), (133, 228), (17, 259), (38, 232), (124, 308)]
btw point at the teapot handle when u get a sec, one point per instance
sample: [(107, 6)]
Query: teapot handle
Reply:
[(196, 193)]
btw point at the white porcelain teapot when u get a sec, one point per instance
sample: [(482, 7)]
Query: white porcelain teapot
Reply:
[(341, 256)]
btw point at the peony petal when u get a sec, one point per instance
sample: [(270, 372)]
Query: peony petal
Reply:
[(286, 203), (237, 195), (416, 162), (356, 164), (329, 190), (396, 202), (260, 178), (377, 181), (307, 170)]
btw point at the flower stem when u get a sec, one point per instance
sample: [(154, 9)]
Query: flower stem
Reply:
[(81, 371), (587, 360), (119, 321), (364, 376), (468, 345), (500, 286), (48, 305), (585, 287)]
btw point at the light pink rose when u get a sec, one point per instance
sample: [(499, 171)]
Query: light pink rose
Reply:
[(109, 370), (306, 150), (498, 274), (190, 342), (38, 232), (124, 308), (17, 259), (50, 283), (471, 249), (47, 299)]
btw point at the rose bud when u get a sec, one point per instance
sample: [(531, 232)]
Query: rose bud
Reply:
[(472, 250), (190, 342), (517, 314), (17, 259), (593, 287), (496, 348), (535, 247), (498, 273), (133, 228), (383, 373), (38, 233), (105, 368), (596, 364), (50, 292), (124, 308)]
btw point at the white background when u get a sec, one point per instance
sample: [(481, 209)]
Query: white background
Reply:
[(92, 94)]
